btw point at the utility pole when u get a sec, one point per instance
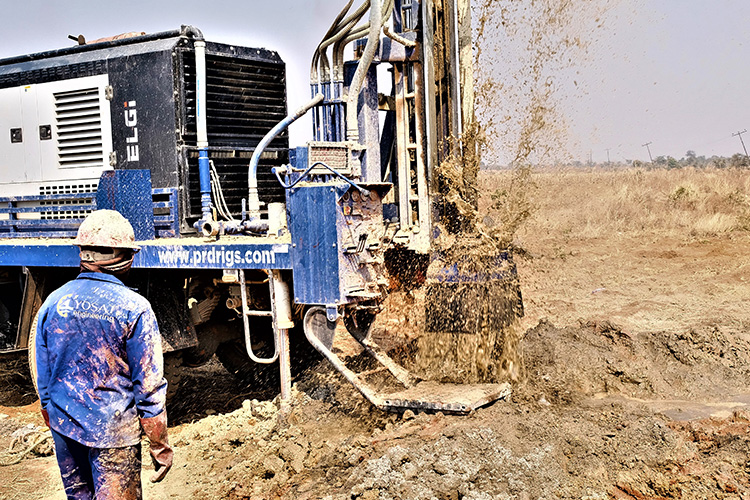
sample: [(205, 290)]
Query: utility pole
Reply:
[(649, 151), (607, 156), (739, 134)]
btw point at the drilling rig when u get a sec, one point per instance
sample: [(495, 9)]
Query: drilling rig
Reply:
[(246, 242)]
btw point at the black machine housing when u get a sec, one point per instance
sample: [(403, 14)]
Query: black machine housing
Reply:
[(152, 109)]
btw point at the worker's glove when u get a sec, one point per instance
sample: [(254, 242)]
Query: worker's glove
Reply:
[(155, 429), (45, 416)]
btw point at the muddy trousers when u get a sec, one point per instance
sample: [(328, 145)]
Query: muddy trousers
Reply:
[(98, 473)]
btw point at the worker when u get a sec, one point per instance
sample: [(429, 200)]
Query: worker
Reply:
[(100, 371)]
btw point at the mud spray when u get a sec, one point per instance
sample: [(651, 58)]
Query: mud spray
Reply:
[(522, 50)]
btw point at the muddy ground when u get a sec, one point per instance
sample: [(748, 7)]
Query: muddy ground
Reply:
[(614, 403)]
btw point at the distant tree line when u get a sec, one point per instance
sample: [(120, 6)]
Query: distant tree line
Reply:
[(690, 159)]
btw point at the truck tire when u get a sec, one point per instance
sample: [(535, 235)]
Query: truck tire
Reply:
[(261, 377), (265, 377), (32, 352), (173, 372)]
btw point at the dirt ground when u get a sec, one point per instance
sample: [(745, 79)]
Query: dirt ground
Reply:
[(636, 386)]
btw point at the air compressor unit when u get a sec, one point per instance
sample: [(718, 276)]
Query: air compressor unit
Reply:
[(68, 115)]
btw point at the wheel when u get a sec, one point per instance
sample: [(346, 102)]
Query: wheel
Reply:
[(210, 336), (233, 355), (173, 372), (235, 359), (32, 351)]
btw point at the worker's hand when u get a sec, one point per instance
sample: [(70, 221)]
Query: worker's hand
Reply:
[(45, 416), (155, 429)]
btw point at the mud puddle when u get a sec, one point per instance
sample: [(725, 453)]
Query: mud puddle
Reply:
[(685, 410)]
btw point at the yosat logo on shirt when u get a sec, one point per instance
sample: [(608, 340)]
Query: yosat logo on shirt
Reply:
[(65, 305)]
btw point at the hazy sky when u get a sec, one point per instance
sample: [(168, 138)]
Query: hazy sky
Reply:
[(671, 72)]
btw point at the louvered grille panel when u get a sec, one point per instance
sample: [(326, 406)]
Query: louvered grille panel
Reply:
[(55, 73), (79, 128), (72, 188), (246, 98)]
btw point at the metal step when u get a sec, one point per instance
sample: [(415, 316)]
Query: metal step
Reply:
[(412, 394), (454, 398)]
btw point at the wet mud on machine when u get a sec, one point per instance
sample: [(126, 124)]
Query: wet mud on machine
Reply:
[(246, 241)]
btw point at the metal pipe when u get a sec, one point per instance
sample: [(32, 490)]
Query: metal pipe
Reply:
[(200, 88), (316, 112), (204, 167), (338, 115), (282, 321), (352, 377), (204, 174), (252, 175), (285, 369), (327, 117), (276, 218), (214, 227), (282, 305), (373, 39)]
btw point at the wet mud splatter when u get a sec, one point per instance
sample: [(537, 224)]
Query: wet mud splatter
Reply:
[(523, 50)]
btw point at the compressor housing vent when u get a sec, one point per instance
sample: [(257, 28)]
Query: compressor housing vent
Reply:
[(79, 128)]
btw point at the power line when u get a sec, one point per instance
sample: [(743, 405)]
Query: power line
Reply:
[(649, 151), (739, 134)]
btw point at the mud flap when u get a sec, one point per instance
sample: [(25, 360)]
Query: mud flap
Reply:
[(36, 289), (410, 393)]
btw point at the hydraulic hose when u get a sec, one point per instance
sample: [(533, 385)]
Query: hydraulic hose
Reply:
[(335, 27), (398, 38), (252, 176), (373, 39), (348, 25), (302, 176), (359, 33)]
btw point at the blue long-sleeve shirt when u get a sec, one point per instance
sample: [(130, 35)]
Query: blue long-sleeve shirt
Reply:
[(99, 361)]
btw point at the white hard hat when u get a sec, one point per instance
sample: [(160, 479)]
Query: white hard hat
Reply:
[(106, 228)]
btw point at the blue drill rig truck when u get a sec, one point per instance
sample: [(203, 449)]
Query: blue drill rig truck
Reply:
[(243, 238)]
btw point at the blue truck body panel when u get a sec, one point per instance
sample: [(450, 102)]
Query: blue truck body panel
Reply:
[(214, 255), (129, 192), (48, 242), (315, 243)]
